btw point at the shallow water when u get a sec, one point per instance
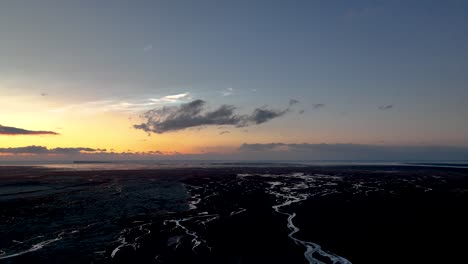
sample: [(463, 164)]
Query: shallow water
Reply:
[(77, 216)]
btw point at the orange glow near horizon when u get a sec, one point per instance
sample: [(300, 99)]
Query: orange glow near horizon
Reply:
[(112, 130), (89, 126)]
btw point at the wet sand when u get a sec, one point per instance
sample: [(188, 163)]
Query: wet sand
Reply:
[(347, 214)]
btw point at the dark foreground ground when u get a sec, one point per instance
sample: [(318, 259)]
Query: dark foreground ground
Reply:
[(380, 214)]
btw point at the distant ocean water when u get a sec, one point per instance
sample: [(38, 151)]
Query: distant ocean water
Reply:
[(171, 164)]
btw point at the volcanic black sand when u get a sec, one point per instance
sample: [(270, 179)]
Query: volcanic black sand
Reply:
[(359, 214)]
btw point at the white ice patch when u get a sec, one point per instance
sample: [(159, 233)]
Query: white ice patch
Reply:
[(135, 243), (41, 244), (241, 210), (202, 218), (34, 247)]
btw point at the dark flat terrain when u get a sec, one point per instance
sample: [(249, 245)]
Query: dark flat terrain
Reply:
[(354, 214)]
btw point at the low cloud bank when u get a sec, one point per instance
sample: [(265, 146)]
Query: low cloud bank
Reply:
[(306, 151), (45, 150), (252, 152)]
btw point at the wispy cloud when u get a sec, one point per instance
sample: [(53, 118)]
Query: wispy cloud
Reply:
[(385, 107), (13, 131), (195, 114), (147, 48), (124, 105), (227, 92), (224, 132), (172, 98), (318, 106)]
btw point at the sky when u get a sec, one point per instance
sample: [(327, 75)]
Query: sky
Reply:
[(233, 79)]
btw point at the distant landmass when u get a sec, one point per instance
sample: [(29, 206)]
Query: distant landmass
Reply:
[(90, 161)]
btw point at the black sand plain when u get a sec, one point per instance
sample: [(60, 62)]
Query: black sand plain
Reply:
[(278, 214)]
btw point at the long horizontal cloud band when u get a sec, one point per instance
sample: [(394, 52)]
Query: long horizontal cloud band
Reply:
[(12, 131), (44, 150), (306, 151), (194, 114), (270, 151)]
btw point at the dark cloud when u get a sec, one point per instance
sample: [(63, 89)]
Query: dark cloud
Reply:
[(262, 115), (44, 94), (25, 150), (194, 114), (74, 150), (44, 150), (293, 102), (306, 147), (301, 111), (260, 147), (4, 130), (224, 132), (172, 118), (385, 107), (318, 106)]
